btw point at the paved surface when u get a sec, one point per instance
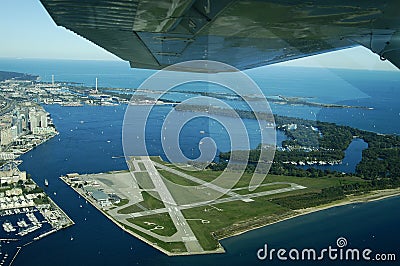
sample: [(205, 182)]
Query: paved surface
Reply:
[(188, 237), (199, 181), (224, 200), (125, 185)]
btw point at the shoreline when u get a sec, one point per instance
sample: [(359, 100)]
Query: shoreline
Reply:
[(138, 236), (52, 203), (48, 232), (371, 196)]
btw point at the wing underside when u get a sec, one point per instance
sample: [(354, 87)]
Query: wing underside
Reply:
[(246, 34)]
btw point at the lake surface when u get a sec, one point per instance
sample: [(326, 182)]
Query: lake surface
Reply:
[(352, 156), (82, 146), (91, 136)]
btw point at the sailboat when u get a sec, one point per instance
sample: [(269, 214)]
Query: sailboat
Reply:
[(46, 182)]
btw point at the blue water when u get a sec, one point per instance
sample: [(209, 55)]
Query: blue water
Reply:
[(352, 156), (90, 136), (12, 246), (375, 89), (82, 147)]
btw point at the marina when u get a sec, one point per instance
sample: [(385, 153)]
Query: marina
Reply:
[(354, 219), (27, 215), (8, 227), (23, 226), (22, 223)]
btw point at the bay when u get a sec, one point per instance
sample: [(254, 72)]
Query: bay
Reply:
[(82, 146), (91, 136)]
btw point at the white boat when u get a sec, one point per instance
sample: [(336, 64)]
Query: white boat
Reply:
[(8, 227), (46, 182), (29, 230), (22, 223)]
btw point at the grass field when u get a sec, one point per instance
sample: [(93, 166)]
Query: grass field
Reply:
[(122, 202), (212, 222), (144, 180), (246, 191), (152, 221), (312, 184), (174, 247), (237, 215), (176, 179), (141, 166), (149, 202), (225, 215)]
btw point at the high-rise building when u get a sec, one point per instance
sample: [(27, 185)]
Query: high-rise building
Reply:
[(25, 118), (14, 132), (43, 119), (33, 121), (19, 125)]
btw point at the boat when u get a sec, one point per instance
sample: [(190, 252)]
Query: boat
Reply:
[(22, 223), (8, 227), (46, 182), (30, 229)]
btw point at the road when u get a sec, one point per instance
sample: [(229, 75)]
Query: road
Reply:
[(10, 105)]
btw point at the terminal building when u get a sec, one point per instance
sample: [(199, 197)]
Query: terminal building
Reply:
[(100, 197)]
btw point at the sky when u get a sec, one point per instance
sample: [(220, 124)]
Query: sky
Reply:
[(28, 31)]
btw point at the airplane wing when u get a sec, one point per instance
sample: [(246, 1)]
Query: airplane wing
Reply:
[(243, 33)]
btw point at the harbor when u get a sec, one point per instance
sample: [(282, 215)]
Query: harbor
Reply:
[(27, 214)]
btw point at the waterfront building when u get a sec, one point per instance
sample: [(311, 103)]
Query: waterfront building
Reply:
[(19, 126), (44, 130), (102, 198), (33, 121), (43, 119), (39, 123), (12, 176)]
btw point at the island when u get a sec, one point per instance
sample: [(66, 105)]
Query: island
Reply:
[(141, 202)]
